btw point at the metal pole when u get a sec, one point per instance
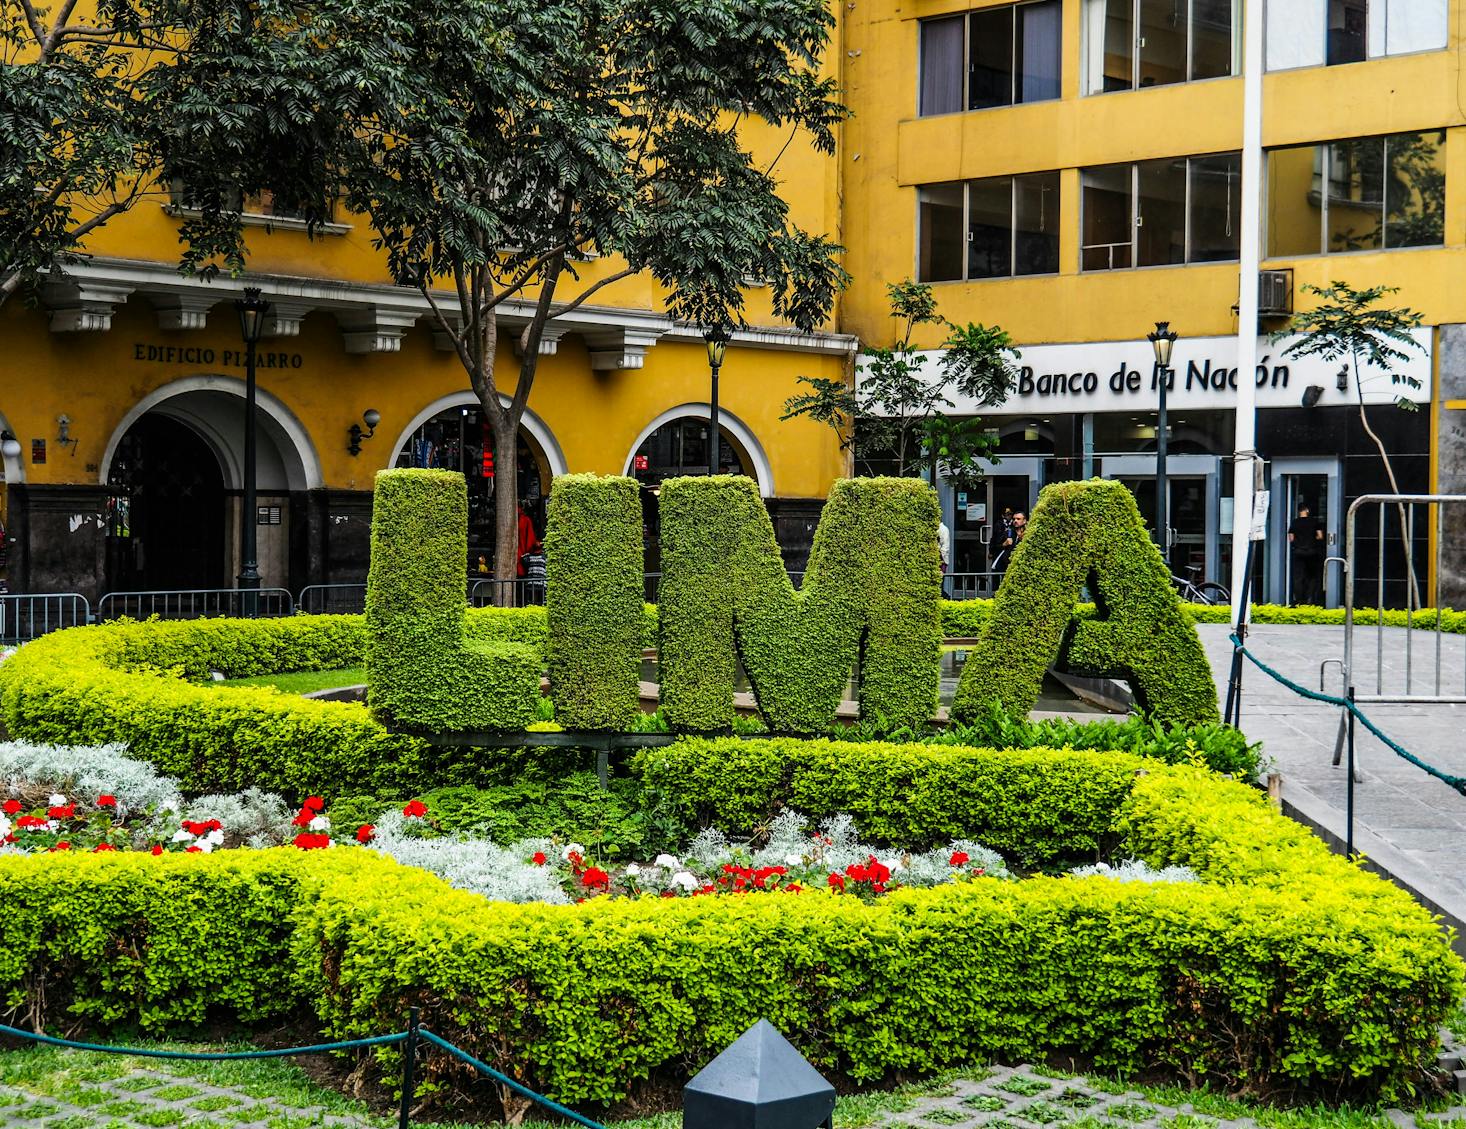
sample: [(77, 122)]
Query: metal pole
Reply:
[(249, 572), (1233, 713), (1349, 786), (1250, 256), (715, 454), (1162, 513), (409, 1064)]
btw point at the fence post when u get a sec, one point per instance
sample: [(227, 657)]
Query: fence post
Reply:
[(409, 1062), (1349, 787)]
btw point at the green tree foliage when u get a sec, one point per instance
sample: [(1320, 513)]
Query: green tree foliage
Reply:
[(594, 601), (1349, 325), (1088, 533), (496, 145), (871, 592), (425, 671), (895, 413)]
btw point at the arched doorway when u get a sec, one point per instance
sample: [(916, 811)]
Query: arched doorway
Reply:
[(167, 524), (460, 438)]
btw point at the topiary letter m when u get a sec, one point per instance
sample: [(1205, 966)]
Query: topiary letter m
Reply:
[(870, 595), (423, 672)]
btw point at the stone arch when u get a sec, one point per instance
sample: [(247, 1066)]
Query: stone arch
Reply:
[(741, 433), (532, 424)]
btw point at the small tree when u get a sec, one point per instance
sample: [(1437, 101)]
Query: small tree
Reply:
[(1346, 326), (896, 411), (499, 144)]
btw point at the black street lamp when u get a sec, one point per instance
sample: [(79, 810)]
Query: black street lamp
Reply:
[(1162, 340), (717, 341), (252, 308)]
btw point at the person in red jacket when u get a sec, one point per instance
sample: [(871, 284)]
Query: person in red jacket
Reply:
[(529, 541)]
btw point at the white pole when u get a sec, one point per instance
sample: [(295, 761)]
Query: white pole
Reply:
[(1251, 257)]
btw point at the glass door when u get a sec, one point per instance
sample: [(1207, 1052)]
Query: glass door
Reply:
[(981, 521), (1297, 571), (1193, 507)]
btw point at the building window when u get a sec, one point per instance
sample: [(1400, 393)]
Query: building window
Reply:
[(1138, 43), (263, 203), (1008, 224), (1168, 212), (1311, 33), (1362, 194), (992, 57)]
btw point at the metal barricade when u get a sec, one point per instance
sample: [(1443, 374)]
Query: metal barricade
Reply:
[(331, 599), (196, 603), (971, 585), (1404, 670), (29, 615), (517, 593)]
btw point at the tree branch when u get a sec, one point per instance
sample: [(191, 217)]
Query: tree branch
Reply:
[(585, 294), (58, 27), (525, 275)]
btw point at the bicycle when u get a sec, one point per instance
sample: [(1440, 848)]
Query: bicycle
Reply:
[(1205, 592)]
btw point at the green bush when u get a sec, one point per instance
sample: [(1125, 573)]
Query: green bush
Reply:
[(1034, 805), (1287, 967), (594, 602), (870, 591), (1088, 532), (425, 672)]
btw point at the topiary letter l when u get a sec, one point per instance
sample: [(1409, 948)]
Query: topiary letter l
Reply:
[(1088, 532), (871, 593), (423, 673)]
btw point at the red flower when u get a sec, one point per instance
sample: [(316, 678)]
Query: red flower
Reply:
[(415, 809), (106, 800), (594, 878), (538, 858), (62, 846), (315, 803), (303, 817), (959, 858), (27, 822), (365, 832), (309, 842), (193, 850), (793, 888), (103, 847), (10, 807), (837, 883), (200, 827), (157, 848), (67, 811), (878, 872), (857, 873)]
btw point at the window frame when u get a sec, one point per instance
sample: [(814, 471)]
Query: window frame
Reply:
[(1370, 55), (1012, 179), (1014, 76), (1136, 220), (1187, 65)]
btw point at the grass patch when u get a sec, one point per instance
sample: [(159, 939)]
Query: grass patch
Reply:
[(1024, 1086), (304, 681)]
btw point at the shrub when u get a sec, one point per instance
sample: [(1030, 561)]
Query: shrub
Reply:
[(594, 601), (1035, 805), (425, 672), (1089, 532), (871, 591)]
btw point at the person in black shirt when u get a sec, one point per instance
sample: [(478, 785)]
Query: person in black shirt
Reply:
[(1305, 537)]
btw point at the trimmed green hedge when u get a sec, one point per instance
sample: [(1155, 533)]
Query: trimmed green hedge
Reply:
[(425, 672), (594, 601), (1288, 967), (870, 591), (1088, 532)]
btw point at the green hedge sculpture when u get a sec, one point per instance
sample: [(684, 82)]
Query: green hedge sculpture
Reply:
[(871, 593), (425, 673), (1088, 532), (594, 600)]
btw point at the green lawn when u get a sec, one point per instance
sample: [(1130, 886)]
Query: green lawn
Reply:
[(304, 681)]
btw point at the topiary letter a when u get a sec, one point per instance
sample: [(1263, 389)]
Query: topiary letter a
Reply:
[(871, 593), (1088, 532), (423, 673)]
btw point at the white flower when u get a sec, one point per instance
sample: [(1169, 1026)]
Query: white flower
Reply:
[(572, 849), (320, 823), (684, 880), (633, 871), (182, 836), (205, 845), (892, 865), (669, 861), (4, 827), (214, 838), (52, 825), (793, 860), (58, 800)]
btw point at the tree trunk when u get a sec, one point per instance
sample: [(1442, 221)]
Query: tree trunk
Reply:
[(1413, 594), (506, 504)]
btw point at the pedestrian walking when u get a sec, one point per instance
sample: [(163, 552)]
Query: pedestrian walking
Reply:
[(1305, 540)]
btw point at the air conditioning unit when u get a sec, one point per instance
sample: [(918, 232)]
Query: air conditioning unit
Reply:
[(1274, 293)]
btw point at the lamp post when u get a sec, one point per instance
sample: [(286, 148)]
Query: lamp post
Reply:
[(1162, 341), (251, 309), (717, 342)]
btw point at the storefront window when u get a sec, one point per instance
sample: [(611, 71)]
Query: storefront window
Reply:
[(1310, 33), (1160, 213), (1013, 55), (1012, 228), (1142, 43), (1382, 193)]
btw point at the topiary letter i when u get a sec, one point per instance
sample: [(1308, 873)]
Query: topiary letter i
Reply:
[(1088, 532), (871, 593), (423, 673)]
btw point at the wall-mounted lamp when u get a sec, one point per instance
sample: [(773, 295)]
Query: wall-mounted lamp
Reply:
[(9, 446), (371, 417), (1312, 395), (63, 433), (1344, 379)]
